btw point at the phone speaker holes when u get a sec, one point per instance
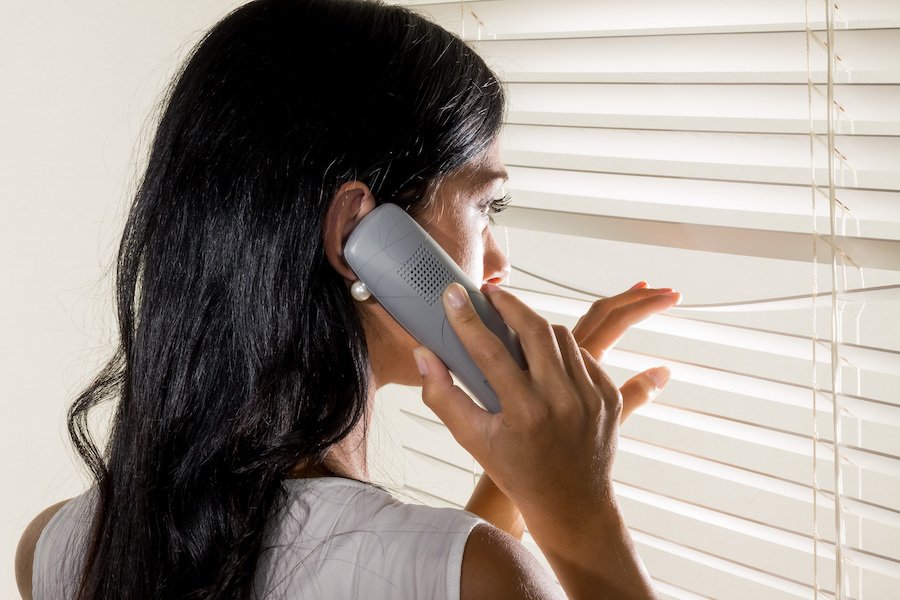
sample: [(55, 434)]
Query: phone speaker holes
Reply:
[(425, 275)]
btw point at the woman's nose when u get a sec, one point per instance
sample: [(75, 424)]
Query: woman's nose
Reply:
[(496, 265)]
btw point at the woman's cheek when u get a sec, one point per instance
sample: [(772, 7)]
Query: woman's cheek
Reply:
[(474, 258), (467, 246)]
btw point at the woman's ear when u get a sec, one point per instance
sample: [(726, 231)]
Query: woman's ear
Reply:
[(349, 205)]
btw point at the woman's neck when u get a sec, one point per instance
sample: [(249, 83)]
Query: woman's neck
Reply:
[(338, 463), (347, 458)]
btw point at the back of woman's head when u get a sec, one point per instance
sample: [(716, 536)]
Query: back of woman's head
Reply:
[(241, 351)]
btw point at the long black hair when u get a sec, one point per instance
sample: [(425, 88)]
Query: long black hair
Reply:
[(240, 349)]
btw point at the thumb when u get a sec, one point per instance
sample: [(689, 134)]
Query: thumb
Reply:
[(465, 419), (642, 389)]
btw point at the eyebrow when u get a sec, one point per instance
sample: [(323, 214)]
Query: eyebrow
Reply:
[(484, 176)]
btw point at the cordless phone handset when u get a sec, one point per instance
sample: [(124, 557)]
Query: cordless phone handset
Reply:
[(407, 271)]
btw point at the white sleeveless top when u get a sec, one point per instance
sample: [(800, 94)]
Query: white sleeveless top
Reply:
[(335, 538)]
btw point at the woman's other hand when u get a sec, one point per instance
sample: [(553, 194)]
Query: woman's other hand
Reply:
[(606, 322)]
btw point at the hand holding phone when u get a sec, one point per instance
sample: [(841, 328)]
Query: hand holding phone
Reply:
[(551, 451), (407, 271)]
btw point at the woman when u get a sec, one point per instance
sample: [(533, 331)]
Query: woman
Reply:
[(248, 361)]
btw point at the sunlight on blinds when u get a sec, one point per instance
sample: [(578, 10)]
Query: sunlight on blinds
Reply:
[(748, 157)]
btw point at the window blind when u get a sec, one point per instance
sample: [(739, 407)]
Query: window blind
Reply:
[(748, 155)]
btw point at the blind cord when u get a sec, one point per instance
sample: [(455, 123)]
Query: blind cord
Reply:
[(839, 534), (814, 313)]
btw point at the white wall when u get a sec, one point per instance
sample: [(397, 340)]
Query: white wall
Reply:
[(78, 80)]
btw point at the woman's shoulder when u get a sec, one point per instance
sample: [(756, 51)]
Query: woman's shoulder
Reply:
[(402, 549), (26, 547), (339, 504), (34, 540), (58, 550), (449, 552), (497, 565)]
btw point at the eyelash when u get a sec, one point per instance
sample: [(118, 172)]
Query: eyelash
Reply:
[(495, 206)]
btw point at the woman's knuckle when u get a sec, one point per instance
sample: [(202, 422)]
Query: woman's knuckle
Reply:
[(601, 305), (536, 414), (573, 404), (590, 363), (614, 397), (490, 352), (561, 332), (538, 327)]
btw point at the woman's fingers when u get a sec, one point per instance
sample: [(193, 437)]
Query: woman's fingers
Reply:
[(575, 368), (536, 335), (466, 420), (617, 321), (612, 401), (642, 389), (568, 348), (487, 351), (600, 309)]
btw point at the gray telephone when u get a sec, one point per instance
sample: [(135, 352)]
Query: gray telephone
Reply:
[(407, 272)]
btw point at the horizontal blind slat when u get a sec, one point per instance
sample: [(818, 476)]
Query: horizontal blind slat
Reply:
[(781, 440), (675, 592), (770, 484), (729, 58), (720, 107), (510, 18), (884, 565), (726, 566), (874, 214), (746, 527), (731, 156), (758, 387), (865, 252)]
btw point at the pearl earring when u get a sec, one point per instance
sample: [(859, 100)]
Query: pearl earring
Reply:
[(359, 291)]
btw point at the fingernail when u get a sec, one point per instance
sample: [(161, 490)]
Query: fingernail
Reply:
[(639, 284), (675, 294), (456, 295), (660, 376), (490, 288), (420, 363)]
